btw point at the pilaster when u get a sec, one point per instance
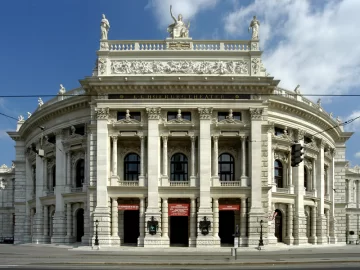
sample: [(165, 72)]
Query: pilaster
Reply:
[(243, 224), (140, 241), (243, 178), (115, 239), (321, 220), (290, 225), (38, 229), (165, 221), (192, 239)]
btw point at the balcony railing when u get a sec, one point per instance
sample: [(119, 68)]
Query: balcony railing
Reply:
[(310, 193), (230, 183), (179, 183), (125, 183), (283, 190), (77, 189)]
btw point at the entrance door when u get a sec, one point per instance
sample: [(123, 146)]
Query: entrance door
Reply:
[(79, 224), (226, 227), (131, 226), (179, 231), (278, 226)]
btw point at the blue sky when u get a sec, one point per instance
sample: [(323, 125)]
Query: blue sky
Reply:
[(311, 43)]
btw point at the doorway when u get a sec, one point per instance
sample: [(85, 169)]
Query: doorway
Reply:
[(79, 224), (226, 227), (131, 226), (179, 231), (278, 225)]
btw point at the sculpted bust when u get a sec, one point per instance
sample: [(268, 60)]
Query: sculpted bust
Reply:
[(178, 29)]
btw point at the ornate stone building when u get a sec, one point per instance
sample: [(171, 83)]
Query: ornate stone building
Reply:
[(184, 133)]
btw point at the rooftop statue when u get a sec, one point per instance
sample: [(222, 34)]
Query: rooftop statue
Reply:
[(254, 25), (62, 90), (178, 29), (104, 26)]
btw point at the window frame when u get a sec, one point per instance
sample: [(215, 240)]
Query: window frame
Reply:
[(179, 175), (279, 178), (131, 175), (226, 175)]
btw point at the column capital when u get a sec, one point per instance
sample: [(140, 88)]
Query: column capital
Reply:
[(114, 138), (153, 113), (192, 138), (256, 113), (164, 138), (205, 113), (215, 138), (102, 113), (243, 137)]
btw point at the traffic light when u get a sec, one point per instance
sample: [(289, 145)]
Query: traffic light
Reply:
[(297, 154)]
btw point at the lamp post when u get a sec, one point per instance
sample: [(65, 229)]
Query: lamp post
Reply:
[(261, 242), (96, 233)]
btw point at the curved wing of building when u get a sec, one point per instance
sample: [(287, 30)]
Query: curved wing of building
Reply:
[(180, 142)]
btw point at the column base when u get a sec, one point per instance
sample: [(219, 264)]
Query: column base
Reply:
[(192, 241), (313, 240), (288, 240), (46, 239), (103, 216), (156, 241), (333, 240), (59, 234), (141, 181), (192, 181), (244, 181), (255, 216), (27, 239), (243, 241), (208, 241), (215, 181), (291, 189), (38, 239), (300, 230), (140, 241), (69, 239), (115, 241), (165, 181)]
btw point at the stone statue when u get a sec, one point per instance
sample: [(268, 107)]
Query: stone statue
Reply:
[(178, 29), (72, 130), (62, 90), (254, 25), (21, 118), (231, 115), (179, 115), (297, 90), (105, 26), (127, 116), (331, 114), (338, 120), (319, 102), (29, 114), (40, 102)]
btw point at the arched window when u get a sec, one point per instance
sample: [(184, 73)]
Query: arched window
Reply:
[(53, 176), (132, 167), (279, 180), (306, 182), (226, 167), (179, 167), (80, 173)]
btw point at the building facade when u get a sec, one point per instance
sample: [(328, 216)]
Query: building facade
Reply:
[(194, 135)]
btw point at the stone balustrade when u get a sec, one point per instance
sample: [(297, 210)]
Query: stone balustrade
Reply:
[(230, 183)]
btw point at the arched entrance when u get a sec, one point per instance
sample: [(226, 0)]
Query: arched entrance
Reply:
[(79, 224), (278, 225)]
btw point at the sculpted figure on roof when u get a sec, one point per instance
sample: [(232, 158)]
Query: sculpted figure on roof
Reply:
[(254, 25), (178, 29), (105, 26)]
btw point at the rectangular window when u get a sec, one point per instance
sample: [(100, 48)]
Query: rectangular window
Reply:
[(279, 131)]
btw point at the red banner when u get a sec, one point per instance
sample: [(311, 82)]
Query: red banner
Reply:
[(179, 209), (123, 207), (229, 207)]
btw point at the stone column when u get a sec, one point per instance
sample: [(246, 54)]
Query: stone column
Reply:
[(271, 236), (313, 178), (243, 238), (165, 220), (142, 158), (327, 231), (29, 196), (140, 242), (68, 169), (205, 208), (290, 176), (216, 217), (289, 233), (256, 212), (115, 239), (331, 217), (165, 157), (46, 224), (215, 156), (58, 236), (101, 212), (244, 178), (193, 177), (38, 229), (192, 240), (153, 148), (69, 223), (313, 239), (321, 220), (114, 156)]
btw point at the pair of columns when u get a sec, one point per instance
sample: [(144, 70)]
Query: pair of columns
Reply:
[(165, 156), (115, 155), (216, 157)]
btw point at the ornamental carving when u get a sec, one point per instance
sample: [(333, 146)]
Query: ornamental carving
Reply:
[(179, 149), (228, 149), (256, 62), (179, 67), (256, 113), (50, 163), (132, 148), (300, 134), (308, 164), (102, 113), (178, 120), (153, 113), (102, 65), (205, 113), (126, 120), (281, 156)]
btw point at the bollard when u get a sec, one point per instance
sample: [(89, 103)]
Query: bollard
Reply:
[(234, 252)]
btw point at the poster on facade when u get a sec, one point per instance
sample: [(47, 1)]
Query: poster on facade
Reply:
[(123, 207), (233, 207), (178, 209)]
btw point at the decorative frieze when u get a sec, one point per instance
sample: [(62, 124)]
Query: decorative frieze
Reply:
[(205, 113), (102, 113), (256, 113), (102, 65), (281, 156), (255, 64), (76, 156), (180, 67), (153, 113)]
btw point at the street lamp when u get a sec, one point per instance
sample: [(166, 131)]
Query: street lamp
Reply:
[(261, 242), (96, 233)]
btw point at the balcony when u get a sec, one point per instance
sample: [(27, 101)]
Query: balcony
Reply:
[(283, 190), (127, 183), (179, 183), (230, 183), (76, 189)]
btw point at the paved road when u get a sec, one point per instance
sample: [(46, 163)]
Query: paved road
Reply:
[(45, 256)]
